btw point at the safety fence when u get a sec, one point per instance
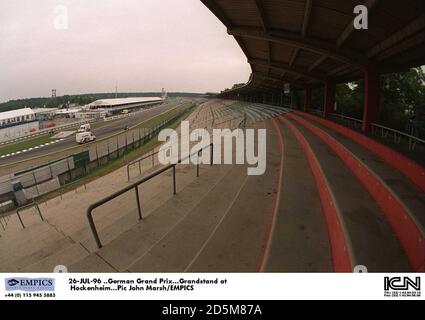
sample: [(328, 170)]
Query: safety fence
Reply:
[(49, 130)]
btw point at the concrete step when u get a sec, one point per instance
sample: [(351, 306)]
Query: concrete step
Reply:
[(131, 244), (66, 257), (11, 242), (29, 217), (371, 240), (176, 248), (238, 242), (34, 253), (299, 241), (91, 263), (152, 196)]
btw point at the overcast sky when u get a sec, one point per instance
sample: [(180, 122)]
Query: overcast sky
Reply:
[(143, 45)]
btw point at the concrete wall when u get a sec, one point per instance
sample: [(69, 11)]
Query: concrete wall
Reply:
[(18, 131)]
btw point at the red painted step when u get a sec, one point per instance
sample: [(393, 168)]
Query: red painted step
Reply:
[(409, 168), (406, 229), (339, 247)]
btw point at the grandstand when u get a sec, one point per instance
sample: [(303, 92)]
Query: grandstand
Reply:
[(333, 196), (17, 123), (115, 105)]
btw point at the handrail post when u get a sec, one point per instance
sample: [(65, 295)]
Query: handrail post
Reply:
[(174, 180), (20, 219), (93, 228), (140, 167), (197, 164), (139, 208), (128, 172), (211, 154), (39, 212)]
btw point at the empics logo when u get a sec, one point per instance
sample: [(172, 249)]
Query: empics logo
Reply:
[(12, 282), (28, 284), (402, 287)]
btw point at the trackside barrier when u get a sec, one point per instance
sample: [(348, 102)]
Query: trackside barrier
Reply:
[(99, 153), (47, 130), (35, 205), (408, 231), (407, 167), (135, 186)]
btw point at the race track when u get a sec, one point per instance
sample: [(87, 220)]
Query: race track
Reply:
[(102, 132)]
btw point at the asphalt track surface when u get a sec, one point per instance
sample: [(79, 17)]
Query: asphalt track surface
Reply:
[(102, 132)]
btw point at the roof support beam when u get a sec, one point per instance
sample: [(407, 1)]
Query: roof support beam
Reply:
[(349, 29), (269, 56), (287, 68), (318, 62), (294, 40), (265, 24), (307, 12), (338, 70), (413, 27), (280, 81), (294, 56), (402, 46), (263, 17)]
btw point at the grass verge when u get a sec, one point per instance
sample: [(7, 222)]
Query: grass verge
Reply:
[(25, 144)]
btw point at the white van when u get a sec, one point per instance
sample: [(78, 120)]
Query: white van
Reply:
[(84, 128), (84, 137)]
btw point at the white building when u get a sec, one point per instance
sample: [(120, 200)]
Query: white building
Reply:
[(17, 123)]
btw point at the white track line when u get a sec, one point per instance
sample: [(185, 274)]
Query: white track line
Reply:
[(30, 149)]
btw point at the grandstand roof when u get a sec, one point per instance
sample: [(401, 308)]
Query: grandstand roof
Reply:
[(122, 101), (15, 113), (307, 42), (43, 110)]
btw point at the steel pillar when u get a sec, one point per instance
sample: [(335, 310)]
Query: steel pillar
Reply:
[(371, 97), (307, 99), (329, 98)]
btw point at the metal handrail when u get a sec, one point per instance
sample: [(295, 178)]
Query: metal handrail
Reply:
[(316, 111), (149, 135), (34, 204), (136, 185), (139, 162), (356, 122), (412, 139), (345, 117)]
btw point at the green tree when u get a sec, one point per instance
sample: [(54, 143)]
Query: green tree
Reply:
[(403, 99)]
